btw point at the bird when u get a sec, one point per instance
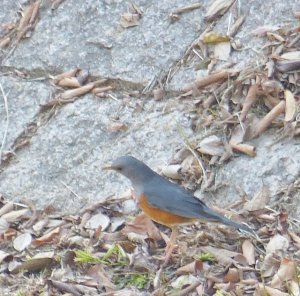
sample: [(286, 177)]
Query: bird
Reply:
[(165, 202)]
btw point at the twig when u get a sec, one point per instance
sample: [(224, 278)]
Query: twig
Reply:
[(189, 147), (7, 121), (69, 188)]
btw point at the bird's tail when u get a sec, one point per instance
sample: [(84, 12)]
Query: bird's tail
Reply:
[(215, 217)]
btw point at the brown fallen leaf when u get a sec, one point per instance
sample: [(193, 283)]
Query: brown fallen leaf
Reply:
[(65, 287), (237, 24), (214, 37), (185, 9), (295, 238), (192, 267), (16, 215), (98, 220), (270, 265), (222, 51), (77, 92), (100, 90), (8, 234), (71, 82), (5, 257), (285, 66), (143, 225), (98, 273), (260, 199), (114, 127), (262, 290), (263, 30), (8, 207), (130, 20), (218, 8), (232, 276), (4, 42), (290, 105), (47, 238), (223, 256), (22, 241), (172, 171), (249, 251), (211, 145), (39, 262), (56, 3), (68, 74), (24, 22), (276, 244), (287, 271), (4, 225)]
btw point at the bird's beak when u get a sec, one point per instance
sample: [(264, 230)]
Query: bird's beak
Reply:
[(107, 167)]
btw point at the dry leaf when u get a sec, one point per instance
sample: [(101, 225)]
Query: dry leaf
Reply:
[(14, 216), (67, 74), (143, 225), (172, 171), (192, 267), (287, 65), (70, 82), (262, 290), (218, 8), (294, 288), (184, 280), (22, 241), (213, 38), (98, 273), (39, 262), (223, 256), (77, 92), (287, 271), (5, 256), (295, 238), (249, 251), (115, 127), (129, 20), (98, 220), (263, 30), (292, 55), (222, 51), (4, 225), (8, 207), (277, 243), (211, 145), (290, 105), (232, 276), (260, 199), (47, 238)]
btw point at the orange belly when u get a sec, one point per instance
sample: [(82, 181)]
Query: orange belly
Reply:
[(161, 216)]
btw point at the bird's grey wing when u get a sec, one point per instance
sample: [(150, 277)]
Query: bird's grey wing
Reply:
[(170, 197)]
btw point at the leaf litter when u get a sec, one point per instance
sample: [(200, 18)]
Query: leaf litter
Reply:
[(104, 251)]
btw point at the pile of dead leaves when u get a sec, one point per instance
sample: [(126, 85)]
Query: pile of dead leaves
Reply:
[(103, 250)]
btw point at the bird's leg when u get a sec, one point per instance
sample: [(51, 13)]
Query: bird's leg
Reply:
[(171, 245)]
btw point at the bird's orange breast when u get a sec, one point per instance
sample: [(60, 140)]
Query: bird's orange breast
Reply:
[(161, 216)]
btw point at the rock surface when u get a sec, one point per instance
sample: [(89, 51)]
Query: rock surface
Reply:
[(62, 164)]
